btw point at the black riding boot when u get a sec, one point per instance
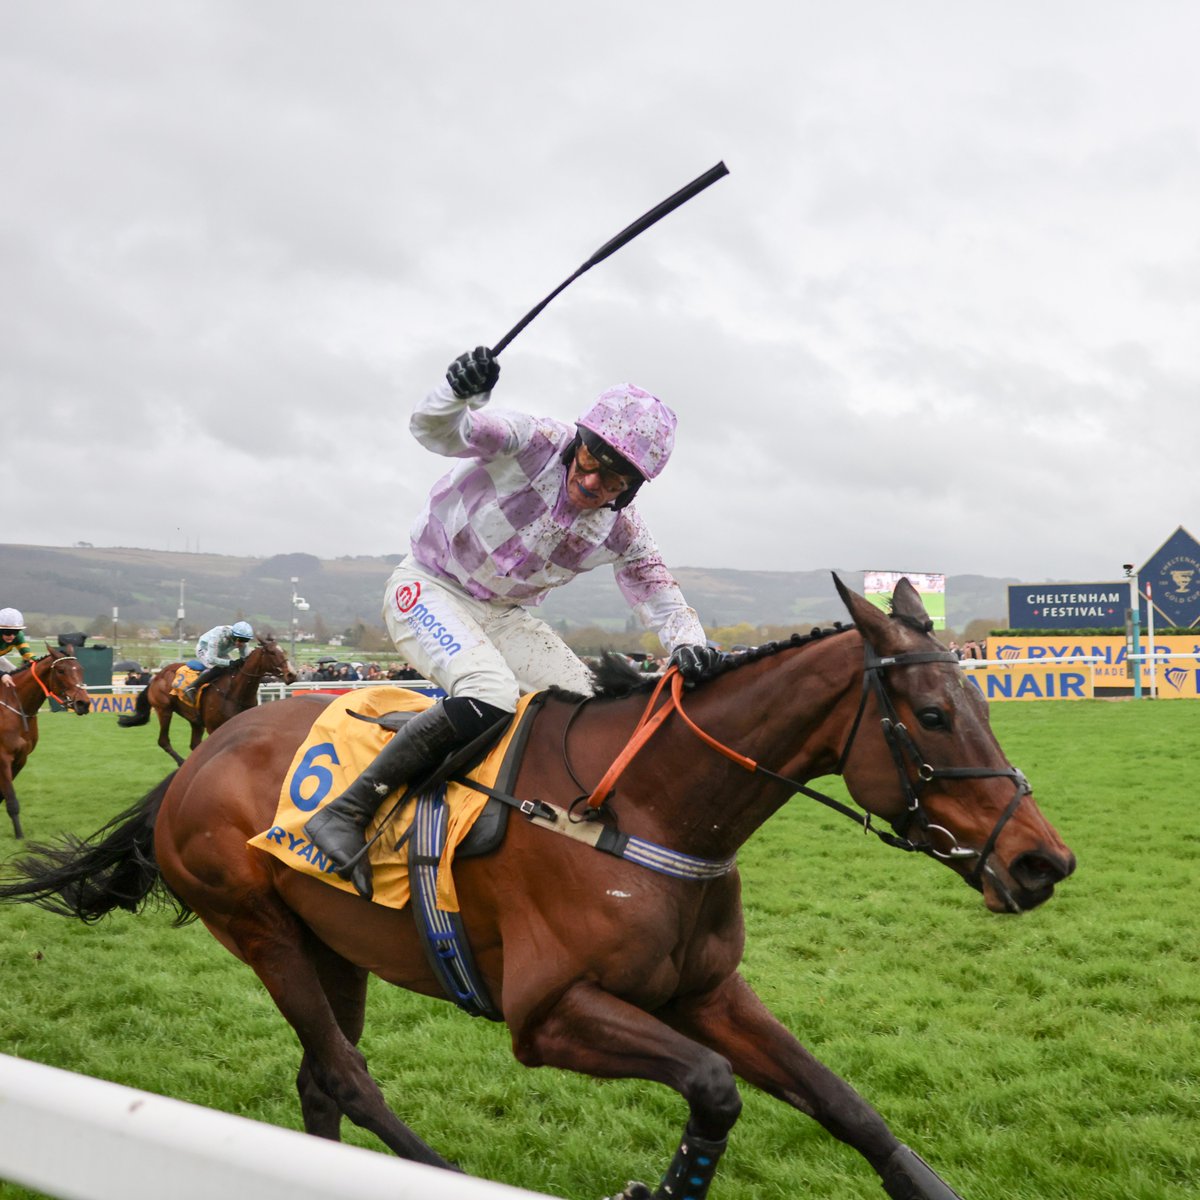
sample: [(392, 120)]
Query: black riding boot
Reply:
[(339, 829), (206, 676)]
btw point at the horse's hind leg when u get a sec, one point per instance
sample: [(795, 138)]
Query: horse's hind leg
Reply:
[(13, 806), (272, 940), (322, 1117), (164, 738), (345, 986), (735, 1022)]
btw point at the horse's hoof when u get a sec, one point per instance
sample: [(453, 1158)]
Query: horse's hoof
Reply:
[(633, 1191), (907, 1176)]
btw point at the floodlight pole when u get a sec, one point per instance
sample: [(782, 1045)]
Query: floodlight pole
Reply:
[(295, 618), (1135, 610), (1150, 644)]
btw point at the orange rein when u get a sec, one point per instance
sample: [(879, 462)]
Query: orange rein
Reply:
[(645, 729), (45, 690)]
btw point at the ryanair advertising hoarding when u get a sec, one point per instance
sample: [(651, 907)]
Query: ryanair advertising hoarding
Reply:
[(1070, 668), (1068, 605)]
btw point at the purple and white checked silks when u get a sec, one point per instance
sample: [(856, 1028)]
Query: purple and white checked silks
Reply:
[(501, 527)]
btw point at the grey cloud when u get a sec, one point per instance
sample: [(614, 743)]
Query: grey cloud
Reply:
[(936, 317)]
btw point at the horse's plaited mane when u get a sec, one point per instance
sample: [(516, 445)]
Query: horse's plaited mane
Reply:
[(40, 659), (616, 676)]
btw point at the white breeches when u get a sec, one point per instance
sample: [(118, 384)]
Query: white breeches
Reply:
[(492, 651)]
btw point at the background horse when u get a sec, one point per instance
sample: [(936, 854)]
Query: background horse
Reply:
[(225, 697), (597, 963), (57, 675)]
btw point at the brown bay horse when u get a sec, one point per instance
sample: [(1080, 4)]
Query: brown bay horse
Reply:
[(225, 697), (596, 963), (57, 675)]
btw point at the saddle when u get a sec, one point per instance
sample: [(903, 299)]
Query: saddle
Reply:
[(342, 741), (489, 828), (183, 677)]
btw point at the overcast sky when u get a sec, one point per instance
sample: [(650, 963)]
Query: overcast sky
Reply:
[(942, 315)]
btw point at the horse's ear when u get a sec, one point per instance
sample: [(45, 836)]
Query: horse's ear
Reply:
[(906, 603), (872, 622)]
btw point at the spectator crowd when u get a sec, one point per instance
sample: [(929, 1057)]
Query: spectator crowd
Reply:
[(330, 671)]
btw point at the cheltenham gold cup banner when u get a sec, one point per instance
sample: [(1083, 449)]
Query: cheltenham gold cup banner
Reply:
[(1172, 577)]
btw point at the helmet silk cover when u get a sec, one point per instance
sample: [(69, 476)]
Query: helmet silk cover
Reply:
[(637, 425)]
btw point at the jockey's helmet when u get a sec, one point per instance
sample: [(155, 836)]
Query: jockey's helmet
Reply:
[(242, 631), (635, 425), (11, 620)]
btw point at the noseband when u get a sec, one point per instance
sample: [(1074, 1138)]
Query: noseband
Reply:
[(905, 754)]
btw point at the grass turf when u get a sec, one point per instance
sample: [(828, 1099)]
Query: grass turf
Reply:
[(1055, 1055)]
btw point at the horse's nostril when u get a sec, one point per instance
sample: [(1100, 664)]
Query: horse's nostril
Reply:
[(1035, 871)]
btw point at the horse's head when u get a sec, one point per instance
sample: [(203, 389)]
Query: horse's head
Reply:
[(275, 660), (60, 675), (936, 771)]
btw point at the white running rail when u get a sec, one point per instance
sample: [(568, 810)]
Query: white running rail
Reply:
[(79, 1138)]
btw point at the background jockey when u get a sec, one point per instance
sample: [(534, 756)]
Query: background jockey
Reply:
[(222, 647), (13, 641), (533, 503)]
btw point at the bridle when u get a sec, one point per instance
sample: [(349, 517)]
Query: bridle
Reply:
[(904, 751), (61, 660), (261, 650)]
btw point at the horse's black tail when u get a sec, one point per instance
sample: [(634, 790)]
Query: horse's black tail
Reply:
[(89, 877), (141, 710)]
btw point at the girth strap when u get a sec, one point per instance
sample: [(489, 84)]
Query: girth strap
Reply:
[(442, 934)]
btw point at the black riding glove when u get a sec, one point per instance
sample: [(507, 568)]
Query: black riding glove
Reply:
[(696, 662), (472, 373)]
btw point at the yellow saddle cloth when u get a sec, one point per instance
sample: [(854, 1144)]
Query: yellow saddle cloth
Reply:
[(183, 677), (337, 750)]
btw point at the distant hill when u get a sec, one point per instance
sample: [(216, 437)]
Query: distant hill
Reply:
[(72, 587)]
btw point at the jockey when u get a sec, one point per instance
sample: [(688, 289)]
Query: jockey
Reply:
[(532, 503), (223, 647), (13, 640)]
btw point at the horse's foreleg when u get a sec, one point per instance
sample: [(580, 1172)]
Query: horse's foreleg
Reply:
[(734, 1022), (595, 1033)]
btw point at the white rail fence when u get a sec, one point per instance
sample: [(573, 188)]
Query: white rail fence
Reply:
[(78, 1138)]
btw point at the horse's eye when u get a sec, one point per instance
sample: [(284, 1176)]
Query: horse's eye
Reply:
[(933, 718)]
